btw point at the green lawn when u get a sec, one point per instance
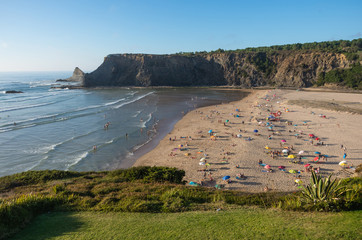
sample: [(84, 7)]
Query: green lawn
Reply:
[(241, 223)]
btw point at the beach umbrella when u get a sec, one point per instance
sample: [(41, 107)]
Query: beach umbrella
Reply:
[(266, 147), (317, 138), (239, 135), (255, 130), (227, 121), (202, 159), (281, 167), (342, 163), (207, 164), (316, 159), (292, 171), (180, 145), (212, 137), (311, 135), (317, 152), (187, 154), (301, 152), (202, 163), (291, 156), (210, 131), (267, 166), (307, 165), (225, 177), (298, 181), (283, 140), (285, 150)]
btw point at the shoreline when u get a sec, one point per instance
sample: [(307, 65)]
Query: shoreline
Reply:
[(162, 132), (228, 151)]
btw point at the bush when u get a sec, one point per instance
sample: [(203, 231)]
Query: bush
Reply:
[(149, 174), (33, 177), (16, 213)]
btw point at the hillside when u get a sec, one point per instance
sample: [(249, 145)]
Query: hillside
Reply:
[(297, 65)]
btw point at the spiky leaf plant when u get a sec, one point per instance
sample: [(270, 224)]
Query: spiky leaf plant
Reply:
[(322, 190)]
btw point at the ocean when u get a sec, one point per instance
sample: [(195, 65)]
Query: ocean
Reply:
[(49, 128)]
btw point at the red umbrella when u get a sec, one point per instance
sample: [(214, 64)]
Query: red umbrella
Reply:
[(267, 166), (281, 167), (307, 165), (283, 140), (316, 159), (317, 138), (311, 135)]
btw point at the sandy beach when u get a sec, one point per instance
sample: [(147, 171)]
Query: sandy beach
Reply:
[(260, 154)]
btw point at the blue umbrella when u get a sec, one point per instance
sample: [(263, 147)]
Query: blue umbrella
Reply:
[(226, 178), (210, 131), (317, 152), (255, 131)]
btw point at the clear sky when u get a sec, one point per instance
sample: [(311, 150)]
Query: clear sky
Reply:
[(52, 35)]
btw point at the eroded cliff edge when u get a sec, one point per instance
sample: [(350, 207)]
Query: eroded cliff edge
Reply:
[(281, 69)]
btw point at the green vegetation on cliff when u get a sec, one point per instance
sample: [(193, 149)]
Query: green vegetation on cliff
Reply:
[(350, 77), (349, 48)]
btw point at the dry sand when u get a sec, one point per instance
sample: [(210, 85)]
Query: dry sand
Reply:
[(228, 151)]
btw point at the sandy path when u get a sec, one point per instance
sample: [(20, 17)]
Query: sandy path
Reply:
[(228, 151)]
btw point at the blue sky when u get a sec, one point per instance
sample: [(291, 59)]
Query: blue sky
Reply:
[(52, 35)]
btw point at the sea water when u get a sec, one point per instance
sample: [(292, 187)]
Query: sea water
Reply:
[(50, 128)]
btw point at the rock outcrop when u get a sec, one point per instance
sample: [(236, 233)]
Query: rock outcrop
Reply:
[(78, 76), (251, 69)]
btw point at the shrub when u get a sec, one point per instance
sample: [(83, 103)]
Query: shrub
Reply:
[(16, 213), (33, 177)]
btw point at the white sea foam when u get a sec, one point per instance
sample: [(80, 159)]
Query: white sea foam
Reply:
[(133, 100), (112, 103), (77, 159), (24, 107)]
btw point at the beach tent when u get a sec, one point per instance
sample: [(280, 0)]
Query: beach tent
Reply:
[(193, 183), (226, 178)]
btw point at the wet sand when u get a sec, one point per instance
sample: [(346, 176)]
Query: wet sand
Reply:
[(227, 154)]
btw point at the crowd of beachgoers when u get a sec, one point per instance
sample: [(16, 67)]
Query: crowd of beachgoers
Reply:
[(262, 142)]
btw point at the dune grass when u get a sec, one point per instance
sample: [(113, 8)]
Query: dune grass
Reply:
[(240, 223)]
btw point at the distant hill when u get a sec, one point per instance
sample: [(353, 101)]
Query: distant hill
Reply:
[(291, 65)]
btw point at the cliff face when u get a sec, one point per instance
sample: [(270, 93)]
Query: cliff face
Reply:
[(287, 69)]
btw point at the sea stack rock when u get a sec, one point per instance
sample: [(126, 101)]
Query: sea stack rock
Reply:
[(78, 76)]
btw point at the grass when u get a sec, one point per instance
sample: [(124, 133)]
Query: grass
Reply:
[(240, 223), (139, 190)]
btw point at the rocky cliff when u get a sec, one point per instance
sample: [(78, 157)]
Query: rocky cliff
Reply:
[(78, 76), (252, 69)]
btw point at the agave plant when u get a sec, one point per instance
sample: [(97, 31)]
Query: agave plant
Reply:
[(320, 189)]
